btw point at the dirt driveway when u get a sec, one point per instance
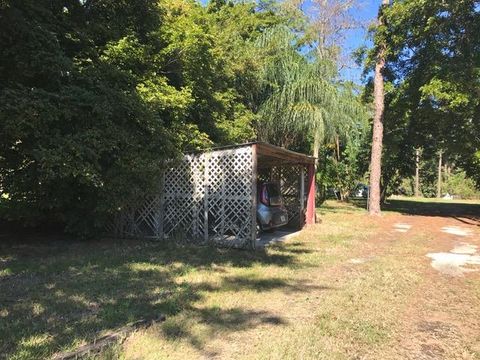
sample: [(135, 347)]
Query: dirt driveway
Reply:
[(442, 317)]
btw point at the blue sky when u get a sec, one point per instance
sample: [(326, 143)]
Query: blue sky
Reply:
[(365, 13), (362, 13)]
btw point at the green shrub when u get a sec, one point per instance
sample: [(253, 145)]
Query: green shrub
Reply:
[(459, 185)]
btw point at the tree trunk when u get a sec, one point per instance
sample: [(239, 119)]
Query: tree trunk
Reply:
[(337, 146), (377, 137), (316, 149), (439, 175), (417, 172)]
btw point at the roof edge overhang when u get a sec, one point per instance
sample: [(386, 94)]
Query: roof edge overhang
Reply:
[(268, 150)]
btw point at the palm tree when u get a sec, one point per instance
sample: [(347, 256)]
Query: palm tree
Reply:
[(302, 96)]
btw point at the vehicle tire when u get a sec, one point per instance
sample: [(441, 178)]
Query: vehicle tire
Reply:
[(259, 229)]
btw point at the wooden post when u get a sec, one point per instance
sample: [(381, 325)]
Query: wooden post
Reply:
[(310, 218), (254, 196), (222, 211), (302, 197)]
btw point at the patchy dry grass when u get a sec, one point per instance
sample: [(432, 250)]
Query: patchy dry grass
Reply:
[(57, 296), (300, 299)]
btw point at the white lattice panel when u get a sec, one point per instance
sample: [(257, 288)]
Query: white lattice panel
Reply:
[(206, 198), (183, 199), (229, 193)]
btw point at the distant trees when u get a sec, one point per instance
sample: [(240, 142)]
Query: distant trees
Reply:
[(431, 85), (453, 179), (417, 173)]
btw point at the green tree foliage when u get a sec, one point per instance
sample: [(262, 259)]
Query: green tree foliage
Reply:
[(459, 185), (433, 74), (342, 162), (96, 95), (77, 139), (213, 53)]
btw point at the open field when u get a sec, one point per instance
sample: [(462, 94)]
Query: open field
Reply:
[(349, 287)]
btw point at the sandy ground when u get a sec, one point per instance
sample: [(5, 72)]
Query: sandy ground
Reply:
[(442, 319)]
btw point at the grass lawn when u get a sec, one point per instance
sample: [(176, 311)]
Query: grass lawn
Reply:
[(346, 288)]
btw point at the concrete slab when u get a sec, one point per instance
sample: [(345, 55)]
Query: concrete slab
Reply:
[(268, 238)]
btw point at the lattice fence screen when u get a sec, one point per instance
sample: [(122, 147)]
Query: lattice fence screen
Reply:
[(205, 198), (208, 198)]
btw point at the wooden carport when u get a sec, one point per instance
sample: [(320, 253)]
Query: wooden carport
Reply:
[(272, 157), (211, 196)]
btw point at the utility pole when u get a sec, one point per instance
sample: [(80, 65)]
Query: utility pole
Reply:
[(417, 172), (439, 175)]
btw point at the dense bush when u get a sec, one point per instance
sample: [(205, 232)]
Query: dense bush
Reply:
[(96, 95)]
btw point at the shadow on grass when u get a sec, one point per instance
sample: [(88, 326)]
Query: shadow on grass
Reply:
[(340, 207), (243, 282), (56, 295), (468, 213), (217, 319), (291, 248), (233, 319)]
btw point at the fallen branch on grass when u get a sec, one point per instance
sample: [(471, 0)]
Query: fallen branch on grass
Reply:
[(101, 343)]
